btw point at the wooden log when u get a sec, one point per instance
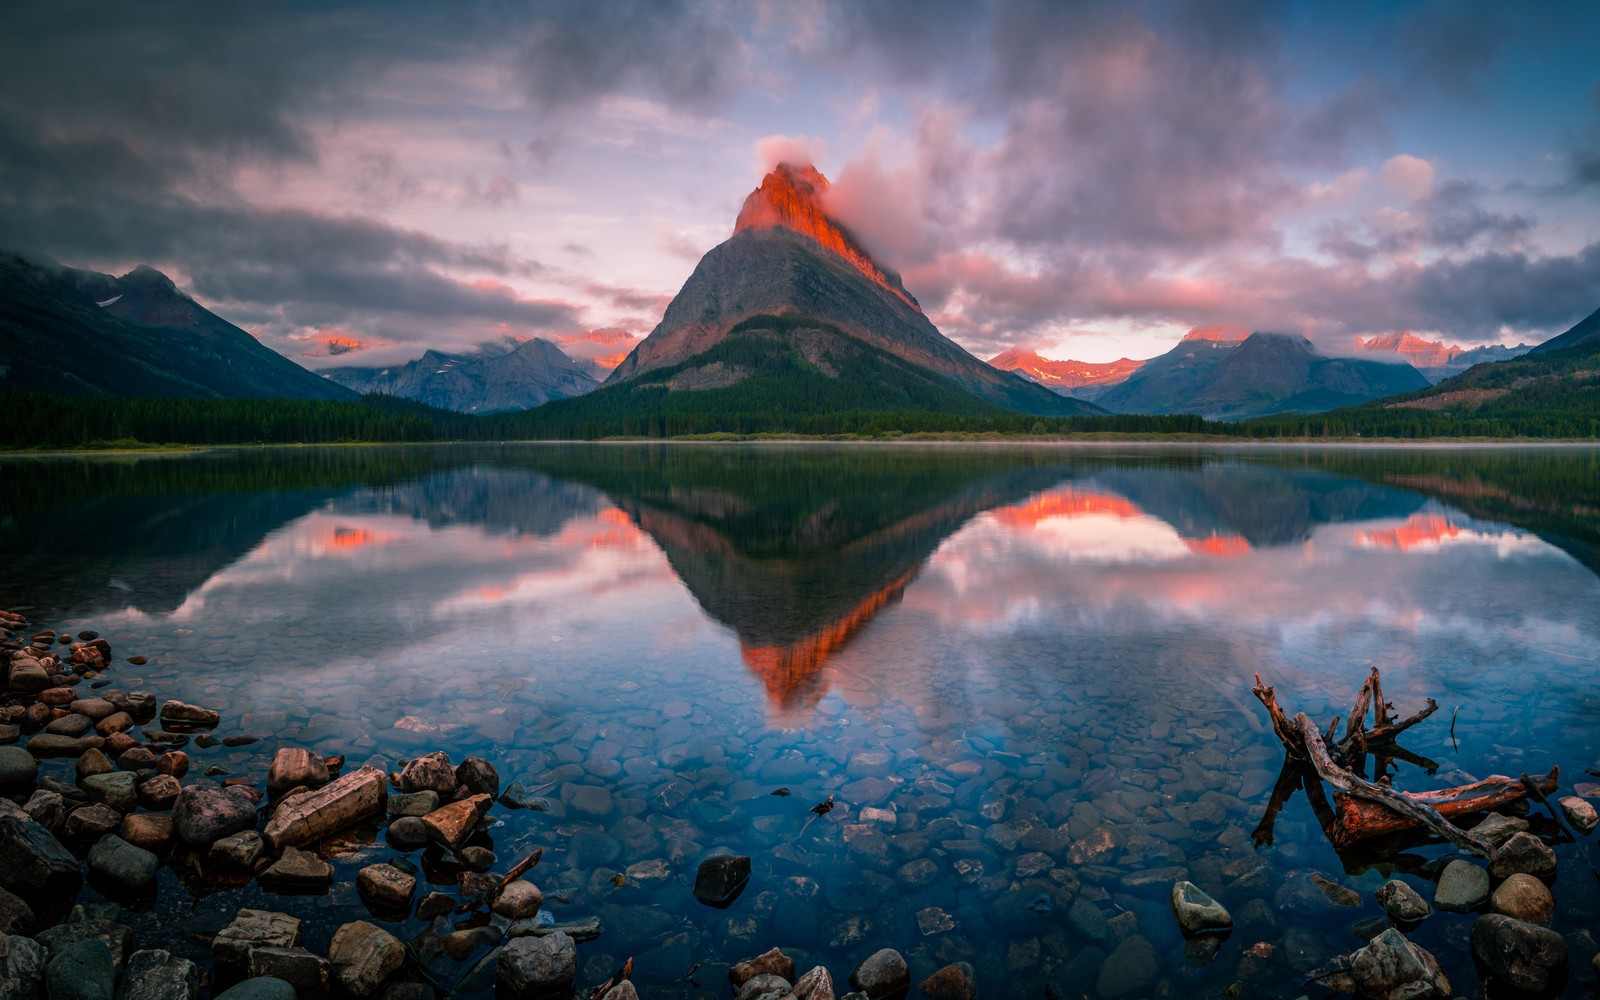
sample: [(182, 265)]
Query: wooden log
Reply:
[(1410, 811), (1280, 722), (334, 806), (1359, 819)]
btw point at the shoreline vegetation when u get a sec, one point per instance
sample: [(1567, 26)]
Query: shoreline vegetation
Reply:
[(34, 422)]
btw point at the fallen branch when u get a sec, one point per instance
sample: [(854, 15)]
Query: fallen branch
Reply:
[(1411, 811)]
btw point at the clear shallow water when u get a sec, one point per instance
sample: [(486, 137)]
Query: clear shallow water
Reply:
[(1024, 674)]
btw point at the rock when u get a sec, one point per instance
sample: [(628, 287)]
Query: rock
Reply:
[(16, 916), (533, 967), (1130, 970), (474, 858), (83, 971), (622, 991), (119, 790), (408, 833), (430, 772), (50, 745), (116, 722), (147, 830), (174, 763), (1402, 902), (292, 766), (880, 974), (71, 725), (1525, 853), (93, 762), (720, 879), (89, 823), (159, 791), (478, 776), (1524, 956), (773, 962), (1579, 813), (22, 965), (182, 714), (1197, 912), (312, 816), (156, 975), (578, 930), (18, 768), (297, 869), (519, 901), (452, 824), (305, 972), (588, 800), (117, 863), (413, 803), (48, 809), (385, 887), (364, 957), (1462, 886), (237, 852), (765, 986), (1497, 828), (262, 988), (118, 938), (1392, 968), (1088, 922), (815, 985), (956, 981), (1525, 898), (26, 676), (37, 868), (205, 814), (252, 929)]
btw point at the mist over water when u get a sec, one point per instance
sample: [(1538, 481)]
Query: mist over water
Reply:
[(1023, 673)]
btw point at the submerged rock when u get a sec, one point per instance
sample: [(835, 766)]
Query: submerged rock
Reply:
[(1524, 853), (1197, 912), (532, 967), (364, 957), (157, 975), (1524, 956), (1462, 886), (205, 814), (721, 879), (956, 981), (1402, 902), (1392, 968), (881, 974)]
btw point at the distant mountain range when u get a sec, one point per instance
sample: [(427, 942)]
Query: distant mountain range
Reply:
[(1435, 360), (1065, 376), (82, 333), (501, 376), (791, 314)]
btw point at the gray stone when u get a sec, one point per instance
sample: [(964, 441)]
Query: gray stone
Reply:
[(413, 803), (479, 776), (519, 901), (533, 967), (51, 745), (305, 972), (721, 879), (261, 988), (16, 916), (1197, 912), (1088, 922), (252, 929), (17, 768), (408, 832), (365, 957), (83, 971), (430, 772), (1580, 813), (205, 814), (297, 869), (815, 985), (1497, 828), (765, 986), (880, 974), (36, 867), (118, 938), (237, 851), (586, 929), (1462, 887), (157, 975), (1524, 956), (385, 887), (22, 965), (119, 790), (70, 725), (1402, 902), (1130, 970), (588, 800), (1392, 968), (1524, 853), (116, 863)]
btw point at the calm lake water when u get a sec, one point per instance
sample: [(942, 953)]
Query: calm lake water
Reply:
[(1024, 673)]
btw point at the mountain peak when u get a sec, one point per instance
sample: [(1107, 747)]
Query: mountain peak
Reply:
[(791, 197), (1216, 333)]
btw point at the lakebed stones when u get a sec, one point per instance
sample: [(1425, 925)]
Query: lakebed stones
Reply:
[(18, 769), (1524, 956), (115, 863), (532, 967), (364, 957), (314, 815), (252, 929), (236, 852), (720, 879), (1392, 968), (178, 714), (297, 870), (881, 974), (385, 887), (81, 971), (519, 901), (956, 981), (37, 868), (292, 767), (1462, 886), (771, 962), (1197, 912), (22, 965), (204, 814), (1402, 902), (156, 975), (1525, 898)]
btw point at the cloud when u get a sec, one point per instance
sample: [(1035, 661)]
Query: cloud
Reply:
[(773, 150), (1410, 175)]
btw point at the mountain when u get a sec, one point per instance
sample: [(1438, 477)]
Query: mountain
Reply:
[(506, 376), (1228, 379), (89, 334), (1082, 379), (792, 314), (1586, 332), (1435, 360)]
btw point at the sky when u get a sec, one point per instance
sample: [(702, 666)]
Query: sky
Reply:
[(1086, 179)]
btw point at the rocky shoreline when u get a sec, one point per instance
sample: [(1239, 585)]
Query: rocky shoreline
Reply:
[(133, 805), (104, 787)]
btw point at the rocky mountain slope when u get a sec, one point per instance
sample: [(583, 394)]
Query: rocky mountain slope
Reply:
[(504, 376)]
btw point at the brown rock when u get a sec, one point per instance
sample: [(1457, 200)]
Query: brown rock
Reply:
[(1525, 898), (116, 722), (151, 831), (1525, 853), (183, 714), (956, 981), (57, 696), (452, 824), (93, 762), (173, 762), (292, 766), (159, 792), (773, 962), (298, 869), (118, 744), (314, 815)]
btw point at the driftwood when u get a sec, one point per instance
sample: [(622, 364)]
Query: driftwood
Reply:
[(1363, 808)]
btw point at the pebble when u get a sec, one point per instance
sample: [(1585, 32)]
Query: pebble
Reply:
[(1402, 902), (1462, 887)]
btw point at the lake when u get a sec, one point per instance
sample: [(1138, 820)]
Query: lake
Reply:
[(1023, 673)]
